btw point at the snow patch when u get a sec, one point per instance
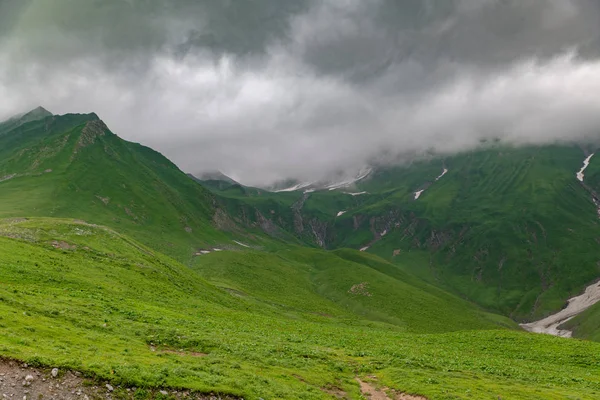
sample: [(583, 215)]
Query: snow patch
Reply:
[(309, 187), (443, 173), (420, 192), (576, 305), (341, 213), (365, 248), (586, 162), (295, 187), (384, 233), (356, 194), (217, 249), (241, 244), (361, 175)]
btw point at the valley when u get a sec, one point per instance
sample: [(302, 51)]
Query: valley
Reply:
[(503, 227), (299, 200), (116, 265)]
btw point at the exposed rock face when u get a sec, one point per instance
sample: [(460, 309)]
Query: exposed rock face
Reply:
[(266, 224), (319, 230), (223, 221), (297, 211), (357, 220), (89, 134)]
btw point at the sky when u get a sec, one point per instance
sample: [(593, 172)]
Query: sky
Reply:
[(268, 90)]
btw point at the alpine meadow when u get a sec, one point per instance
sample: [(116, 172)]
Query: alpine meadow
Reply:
[(377, 200)]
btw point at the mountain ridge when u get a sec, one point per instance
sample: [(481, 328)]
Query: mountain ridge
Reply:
[(117, 264), (388, 218)]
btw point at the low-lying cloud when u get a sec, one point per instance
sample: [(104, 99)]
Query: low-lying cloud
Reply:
[(301, 89)]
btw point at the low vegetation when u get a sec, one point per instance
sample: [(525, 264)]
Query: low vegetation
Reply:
[(116, 264), (85, 297)]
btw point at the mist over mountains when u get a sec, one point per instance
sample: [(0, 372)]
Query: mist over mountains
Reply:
[(277, 90)]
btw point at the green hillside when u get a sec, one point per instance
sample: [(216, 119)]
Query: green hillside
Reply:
[(117, 264), (73, 166), (342, 285), (509, 228), (82, 296)]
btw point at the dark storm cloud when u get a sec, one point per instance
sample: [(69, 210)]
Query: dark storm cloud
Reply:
[(272, 89)]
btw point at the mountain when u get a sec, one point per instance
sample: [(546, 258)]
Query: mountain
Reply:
[(74, 166), (512, 229), (212, 176), (218, 181), (115, 263), (18, 120)]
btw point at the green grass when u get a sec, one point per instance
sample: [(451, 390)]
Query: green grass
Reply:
[(123, 297), (321, 283), (508, 228), (115, 309)]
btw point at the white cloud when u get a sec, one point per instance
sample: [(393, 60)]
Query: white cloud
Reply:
[(337, 91)]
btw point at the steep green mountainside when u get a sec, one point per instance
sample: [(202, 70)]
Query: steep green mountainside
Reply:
[(308, 216), (509, 228), (512, 229), (73, 166), (82, 296)]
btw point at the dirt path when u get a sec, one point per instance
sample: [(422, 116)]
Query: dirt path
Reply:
[(372, 393), (576, 305), (19, 381)]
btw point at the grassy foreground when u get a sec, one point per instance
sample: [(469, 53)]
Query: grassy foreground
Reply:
[(86, 297)]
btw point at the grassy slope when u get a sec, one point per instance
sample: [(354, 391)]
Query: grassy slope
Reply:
[(289, 325), (318, 208), (109, 306), (509, 228), (322, 283), (103, 179), (587, 324)]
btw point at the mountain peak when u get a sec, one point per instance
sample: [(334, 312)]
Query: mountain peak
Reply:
[(215, 175), (34, 115), (40, 110), (15, 121), (94, 117)]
